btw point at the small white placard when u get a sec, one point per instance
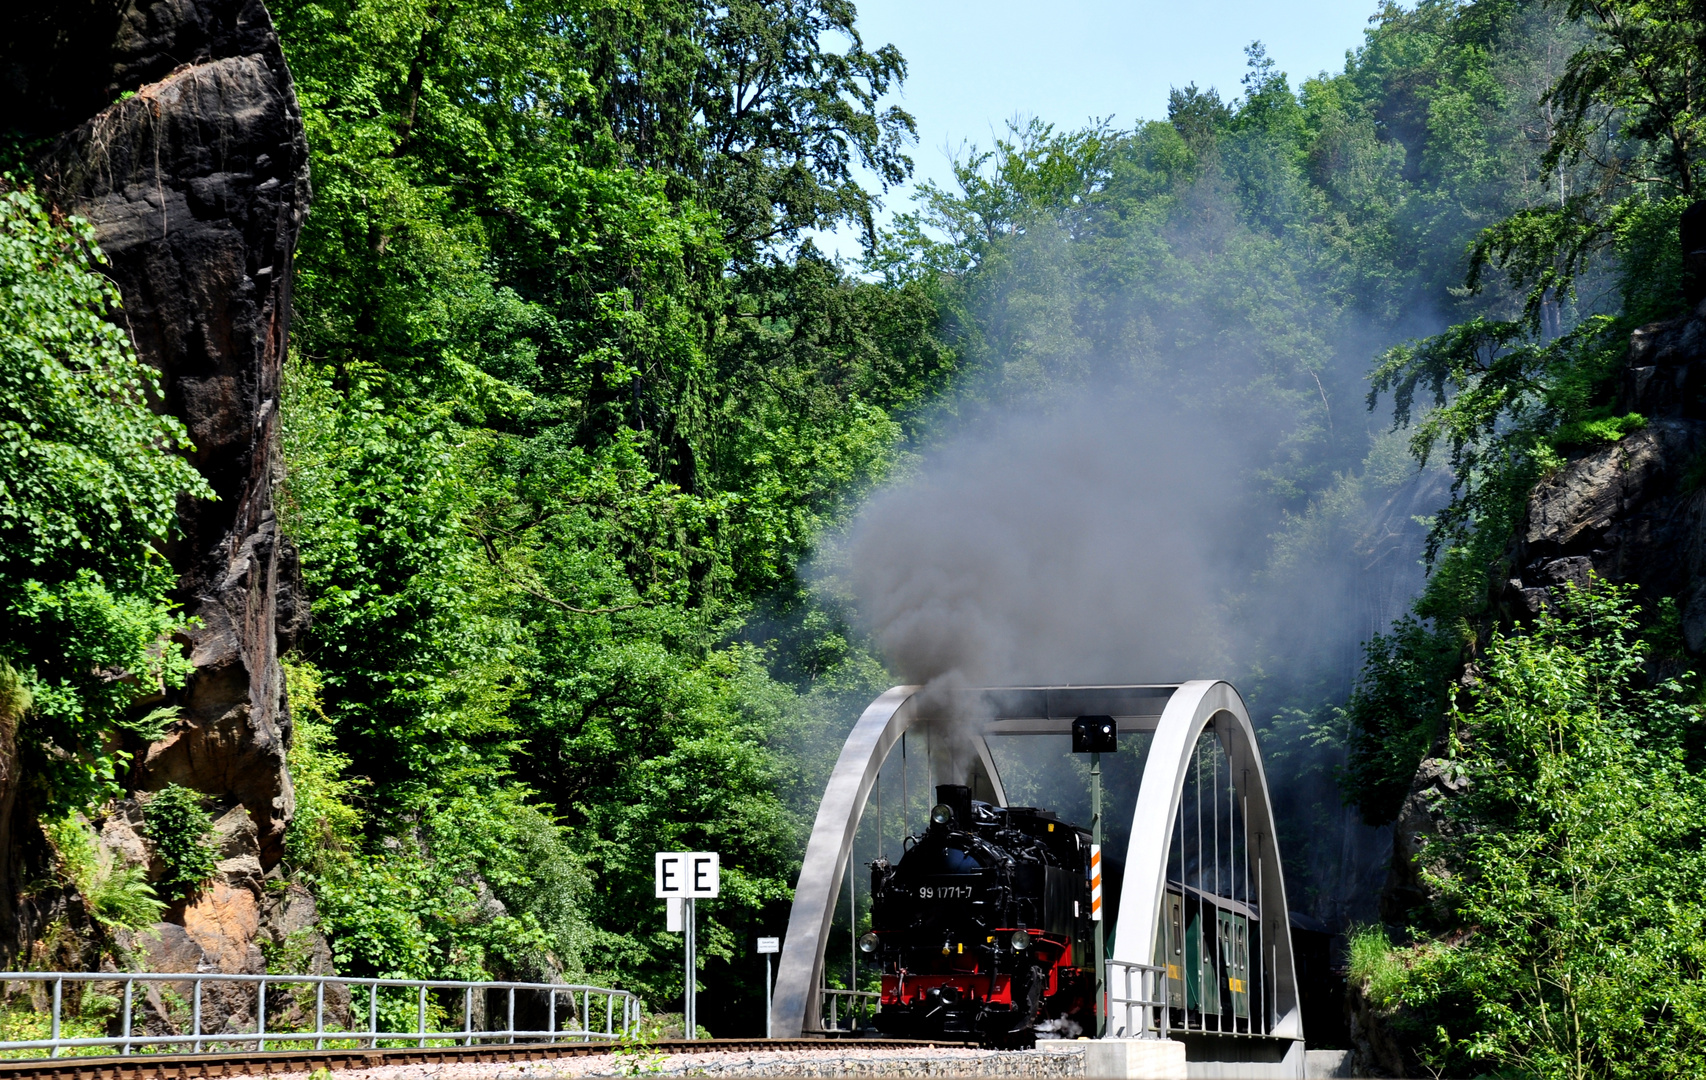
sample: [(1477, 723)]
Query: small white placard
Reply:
[(673, 907), (769, 945), (686, 874)]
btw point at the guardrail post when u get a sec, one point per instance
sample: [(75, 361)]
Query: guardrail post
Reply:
[(261, 1018), (467, 1016), (197, 1014), (129, 985), (58, 993), (1162, 995), (320, 1015), (373, 1015), (509, 1024), (420, 1016)]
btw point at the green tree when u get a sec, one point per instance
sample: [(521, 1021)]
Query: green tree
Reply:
[(1570, 870), (1509, 393), (564, 409), (746, 108)]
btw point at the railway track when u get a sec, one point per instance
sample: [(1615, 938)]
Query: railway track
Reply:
[(197, 1066)]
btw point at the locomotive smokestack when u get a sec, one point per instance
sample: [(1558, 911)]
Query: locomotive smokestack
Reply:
[(956, 797)]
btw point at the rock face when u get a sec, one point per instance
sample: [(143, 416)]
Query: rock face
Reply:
[(238, 923), (1629, 512), (177, 134), (1633, 511)]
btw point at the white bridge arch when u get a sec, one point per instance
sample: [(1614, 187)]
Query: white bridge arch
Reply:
[(1184, 723)]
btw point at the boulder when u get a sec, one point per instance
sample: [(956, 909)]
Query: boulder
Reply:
[(1420, 819), (120, 832), (224, 922), (238, 843)]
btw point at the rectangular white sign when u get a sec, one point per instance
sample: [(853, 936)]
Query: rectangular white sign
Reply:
[(687, 874), (769, 945)]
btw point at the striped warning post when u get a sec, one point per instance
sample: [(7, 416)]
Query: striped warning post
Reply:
[(1095, 882)]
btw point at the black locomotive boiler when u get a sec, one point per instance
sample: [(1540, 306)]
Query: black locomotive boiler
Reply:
[(982, 930)]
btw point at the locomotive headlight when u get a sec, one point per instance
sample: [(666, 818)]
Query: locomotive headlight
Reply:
[(942, 814), (868, 943), (1021, 941)]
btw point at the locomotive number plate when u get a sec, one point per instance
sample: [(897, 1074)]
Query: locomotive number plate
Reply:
[(945, 892)]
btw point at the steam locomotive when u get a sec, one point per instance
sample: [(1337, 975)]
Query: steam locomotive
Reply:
[(982, 930)]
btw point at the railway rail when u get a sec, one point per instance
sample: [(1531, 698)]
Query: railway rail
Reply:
[(198, 1066)]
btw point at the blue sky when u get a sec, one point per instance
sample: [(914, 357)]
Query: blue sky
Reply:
[(974, 64)]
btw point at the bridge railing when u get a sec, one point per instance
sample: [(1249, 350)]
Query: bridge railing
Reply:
[(859, 1004), (173, 1002), (1137, 1001)]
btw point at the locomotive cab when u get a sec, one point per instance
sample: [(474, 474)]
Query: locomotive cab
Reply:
[(982, 929)]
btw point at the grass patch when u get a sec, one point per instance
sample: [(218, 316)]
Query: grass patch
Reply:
[(1375, 964)]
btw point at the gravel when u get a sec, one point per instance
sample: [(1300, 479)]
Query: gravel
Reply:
[(838, 1061)]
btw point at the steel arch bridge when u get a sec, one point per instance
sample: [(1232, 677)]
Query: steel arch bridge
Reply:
[(1201, 894)]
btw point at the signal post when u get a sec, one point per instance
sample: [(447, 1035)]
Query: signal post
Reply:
[(1097, 735), (681, 877)]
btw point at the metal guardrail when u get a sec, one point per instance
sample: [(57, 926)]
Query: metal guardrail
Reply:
[(1140, 1015), (620, 1014), (858, 1001)]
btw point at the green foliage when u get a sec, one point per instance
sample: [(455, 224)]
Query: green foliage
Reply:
[(570, 402), (1372, 964), (176, 820), (1571, 869), (1394, 714), (27, 1015), (443, 908), (115, 896), (1623, 149), (1508, 395), (562, 413), (326, 826), (1502, 402), (1596, 427), (748, 111), (15, 699), (89, 482)]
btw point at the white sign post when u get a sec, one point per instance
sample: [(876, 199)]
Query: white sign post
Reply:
[(682, 877), (768, 947)]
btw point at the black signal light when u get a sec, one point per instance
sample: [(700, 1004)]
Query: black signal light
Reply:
[(1095, 735)]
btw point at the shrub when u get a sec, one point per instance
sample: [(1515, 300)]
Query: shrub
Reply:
[(90, 477), (178, 823), (326, 827), (115, 895), (1574, 870), (1374, 964)]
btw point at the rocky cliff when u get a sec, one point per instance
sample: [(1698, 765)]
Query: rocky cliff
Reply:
[(1632, 511), (172, 126)]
